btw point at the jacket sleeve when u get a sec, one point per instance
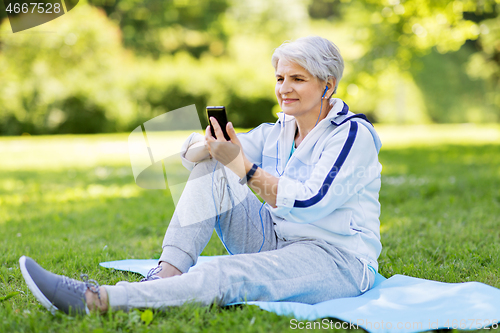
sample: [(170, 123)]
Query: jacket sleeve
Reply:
[(191, 140), (347, 164), (253, 142)]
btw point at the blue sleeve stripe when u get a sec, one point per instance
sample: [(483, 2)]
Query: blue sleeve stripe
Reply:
[(333, 171)]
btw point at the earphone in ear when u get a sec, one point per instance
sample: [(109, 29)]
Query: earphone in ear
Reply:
[(324, 93), (326, 89)]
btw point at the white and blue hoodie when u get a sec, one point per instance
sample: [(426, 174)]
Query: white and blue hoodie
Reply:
[(329, 188)]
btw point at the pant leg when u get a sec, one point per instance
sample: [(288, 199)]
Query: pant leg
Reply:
[(212, 190), (307, 271)]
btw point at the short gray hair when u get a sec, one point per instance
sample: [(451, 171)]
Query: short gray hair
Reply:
[(317, 55)]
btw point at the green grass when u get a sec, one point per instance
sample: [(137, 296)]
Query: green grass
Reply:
[(70, 202)]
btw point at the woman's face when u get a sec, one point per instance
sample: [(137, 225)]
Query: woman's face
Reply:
[(297, 90)]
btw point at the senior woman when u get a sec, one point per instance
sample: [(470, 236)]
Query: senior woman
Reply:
[(317, 235)]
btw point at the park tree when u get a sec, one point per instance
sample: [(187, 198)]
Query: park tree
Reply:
[(392, 36), (153, 27), (126, 61)]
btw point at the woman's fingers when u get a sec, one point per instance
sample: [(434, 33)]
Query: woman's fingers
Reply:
[(208, 134), (208, 138), (217, 129), (229, 153), (232, 134)]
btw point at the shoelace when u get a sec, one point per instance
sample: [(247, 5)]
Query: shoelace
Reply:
[(91, 285), (87, 283), (151, 274)]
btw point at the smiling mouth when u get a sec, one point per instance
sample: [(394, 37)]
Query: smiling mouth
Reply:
[(289, 100)]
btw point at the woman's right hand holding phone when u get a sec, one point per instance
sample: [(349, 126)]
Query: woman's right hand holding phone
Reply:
[(229, 153)]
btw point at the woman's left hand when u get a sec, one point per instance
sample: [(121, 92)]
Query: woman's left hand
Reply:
[(229, 153)]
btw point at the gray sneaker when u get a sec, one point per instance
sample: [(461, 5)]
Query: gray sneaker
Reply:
[(57, 292)]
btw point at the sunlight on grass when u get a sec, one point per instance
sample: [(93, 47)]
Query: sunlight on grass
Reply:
[(84, 151), (91, 191), (393, 136), (70, 151), (63, 151)]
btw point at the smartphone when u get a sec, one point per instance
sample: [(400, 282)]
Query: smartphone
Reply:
[(219, 113)]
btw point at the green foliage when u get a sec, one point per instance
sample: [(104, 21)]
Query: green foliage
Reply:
[(9, 296), (486, 64), (147, 316), (154, 27), (139, 59), (451, 95), (81, 80), (387, 40), (60, 80), (402, 29)]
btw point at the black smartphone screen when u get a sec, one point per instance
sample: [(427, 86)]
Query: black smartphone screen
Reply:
[(219, 113)]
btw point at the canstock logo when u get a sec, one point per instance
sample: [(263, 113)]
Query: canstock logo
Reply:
[(154, 150), (155, 146), (28, 14)]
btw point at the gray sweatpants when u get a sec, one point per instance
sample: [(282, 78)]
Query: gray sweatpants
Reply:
[(300, 270)]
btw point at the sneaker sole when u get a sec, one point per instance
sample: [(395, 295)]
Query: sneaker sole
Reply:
[(33, 287)]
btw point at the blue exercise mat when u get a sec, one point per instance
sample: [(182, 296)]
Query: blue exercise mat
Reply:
[(398, 304)]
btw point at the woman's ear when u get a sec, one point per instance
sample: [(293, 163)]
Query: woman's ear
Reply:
[(331, 86)]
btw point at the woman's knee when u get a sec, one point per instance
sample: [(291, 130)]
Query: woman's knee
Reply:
[(204, 169)]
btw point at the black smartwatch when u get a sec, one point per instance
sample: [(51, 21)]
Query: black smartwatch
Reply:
[(249, 175)]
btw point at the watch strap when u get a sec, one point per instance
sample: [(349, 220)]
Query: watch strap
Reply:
[(249, 175)]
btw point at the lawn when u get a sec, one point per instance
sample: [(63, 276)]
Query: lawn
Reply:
[(70, 202)]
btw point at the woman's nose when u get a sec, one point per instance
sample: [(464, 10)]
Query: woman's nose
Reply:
[(285, 87)]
